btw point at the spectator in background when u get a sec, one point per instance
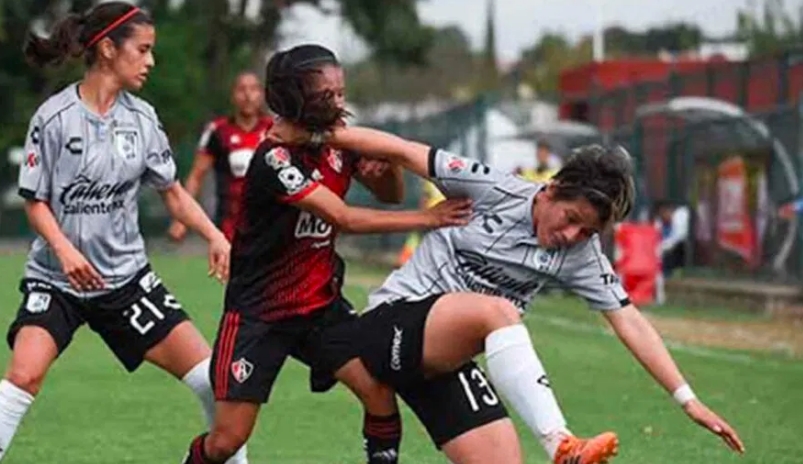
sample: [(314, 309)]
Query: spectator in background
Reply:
[(226, 148), (547, 164), (673, 222)]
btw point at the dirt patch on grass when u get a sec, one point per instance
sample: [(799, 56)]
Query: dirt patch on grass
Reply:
[(780, 335)]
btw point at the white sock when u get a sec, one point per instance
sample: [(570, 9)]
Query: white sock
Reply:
[(198, 381), (14, 403), (518, 374)]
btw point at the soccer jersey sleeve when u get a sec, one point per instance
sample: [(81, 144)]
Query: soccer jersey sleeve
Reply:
[(588, 273), (209, 142), (160, 167), (457, 176), (283, 176), (41, 149)]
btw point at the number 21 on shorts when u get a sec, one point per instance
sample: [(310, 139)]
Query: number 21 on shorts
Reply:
[(144, 320), (476, 385)]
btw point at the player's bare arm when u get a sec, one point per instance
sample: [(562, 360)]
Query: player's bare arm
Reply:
[(183, 208), (350, 219), (413, 156), (641, 338), (201, 165), (385, 180), (81, 274)]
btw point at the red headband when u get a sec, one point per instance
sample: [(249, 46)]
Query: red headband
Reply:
[(112, 26)]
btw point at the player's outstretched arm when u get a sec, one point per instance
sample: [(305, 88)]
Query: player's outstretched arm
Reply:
[(411, 155), (201, 165), (351, 219), (183, 208), (641, 338)]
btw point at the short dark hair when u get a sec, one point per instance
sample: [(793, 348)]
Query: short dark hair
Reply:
[(603, 176), (77, 35), (288, 87)]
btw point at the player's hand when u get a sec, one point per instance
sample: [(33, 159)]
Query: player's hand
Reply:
[(698, 412), (285, 132), (372, 168), (451, 212), (177, 231), (80, 273), (219, 253)]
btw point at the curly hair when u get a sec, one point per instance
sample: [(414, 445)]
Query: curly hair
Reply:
[(603, 176), (289, 91)]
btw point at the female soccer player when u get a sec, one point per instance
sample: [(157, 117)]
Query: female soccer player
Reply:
[(90, 148), (462, 293), (284, 297)]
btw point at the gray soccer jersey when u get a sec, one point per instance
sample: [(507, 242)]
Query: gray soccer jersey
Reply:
[(497, 253), (89, 170)]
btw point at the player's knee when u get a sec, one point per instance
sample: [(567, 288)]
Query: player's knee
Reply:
[(26, 379), (224, 443), (378, 399), (499, 313)]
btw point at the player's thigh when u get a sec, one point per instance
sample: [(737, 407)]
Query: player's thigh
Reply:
[(182, 349), (452, 404), (43, 328), (141, 315), (456, 328), (492, 443), (247, 357)]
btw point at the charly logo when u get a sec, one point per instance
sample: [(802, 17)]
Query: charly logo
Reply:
[(87, 196)]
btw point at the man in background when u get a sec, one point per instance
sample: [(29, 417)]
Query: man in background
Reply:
[(673, 223), (547, 164)]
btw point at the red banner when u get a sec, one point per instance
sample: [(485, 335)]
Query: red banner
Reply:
[(735, 231)]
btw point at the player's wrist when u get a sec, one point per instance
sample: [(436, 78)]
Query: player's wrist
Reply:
[(683, 395)]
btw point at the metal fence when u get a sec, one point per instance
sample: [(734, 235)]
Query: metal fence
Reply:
[(733, 172)]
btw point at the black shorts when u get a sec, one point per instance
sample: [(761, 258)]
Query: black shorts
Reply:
[(249, 352), (131, 319), (449, 404)]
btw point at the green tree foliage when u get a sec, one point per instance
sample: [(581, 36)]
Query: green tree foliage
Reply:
[(201, 44), (771, 28)]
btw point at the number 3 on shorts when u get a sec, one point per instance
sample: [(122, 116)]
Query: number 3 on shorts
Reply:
[(475, 382), (143, 321)]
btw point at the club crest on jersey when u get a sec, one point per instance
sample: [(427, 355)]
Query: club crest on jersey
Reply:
[(455, 163), (278, 158), (543, 258), (37, 302), (241, 370), (335, 159), (126, 141)]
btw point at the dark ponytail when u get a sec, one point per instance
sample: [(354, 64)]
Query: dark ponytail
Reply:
[(77, 35), (63, 43)]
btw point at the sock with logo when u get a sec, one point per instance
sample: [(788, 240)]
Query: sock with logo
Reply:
[(382, 436), (198, 381), (14, 403), (518, 374)]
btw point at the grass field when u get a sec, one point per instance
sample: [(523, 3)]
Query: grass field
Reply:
[(91, 411)]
